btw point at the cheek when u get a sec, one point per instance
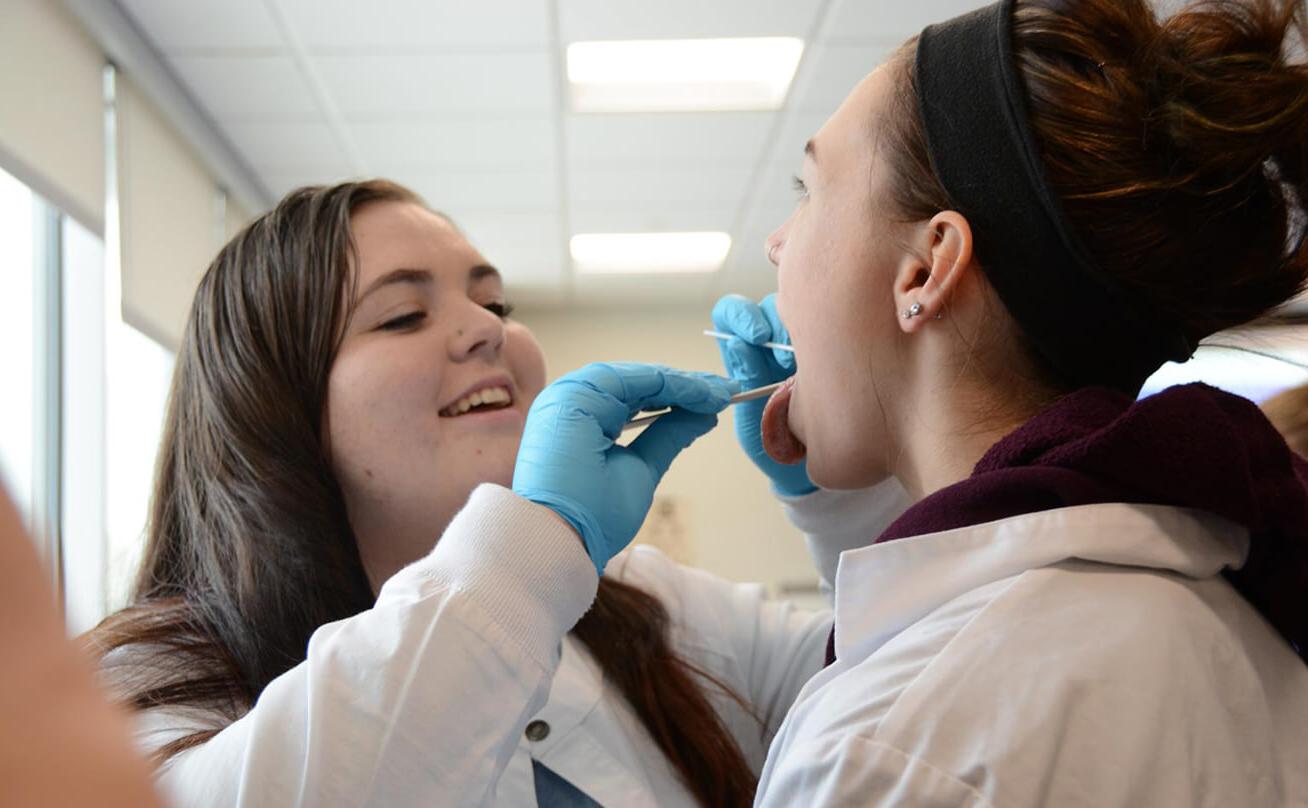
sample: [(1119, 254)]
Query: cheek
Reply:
[(379, 418)]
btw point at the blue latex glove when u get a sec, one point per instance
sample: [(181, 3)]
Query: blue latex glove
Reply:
[(754, 324), (568, 460)]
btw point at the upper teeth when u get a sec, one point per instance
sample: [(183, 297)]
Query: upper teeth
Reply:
[(491, 395)]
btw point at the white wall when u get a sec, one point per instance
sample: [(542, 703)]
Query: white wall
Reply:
[(733, 526)]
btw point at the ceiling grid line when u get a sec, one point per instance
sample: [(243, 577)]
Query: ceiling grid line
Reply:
[(304, 62)]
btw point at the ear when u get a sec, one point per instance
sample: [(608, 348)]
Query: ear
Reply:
[(942, 259)]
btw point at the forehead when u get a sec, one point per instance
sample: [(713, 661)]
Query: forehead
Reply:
[(394, 234), (846, 139)]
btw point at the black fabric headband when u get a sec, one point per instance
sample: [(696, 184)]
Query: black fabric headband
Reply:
[(985, 155)]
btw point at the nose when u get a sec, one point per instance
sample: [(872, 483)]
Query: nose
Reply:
[(477, 332)]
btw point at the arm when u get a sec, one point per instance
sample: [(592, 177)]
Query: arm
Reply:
[(424, 696), (60, 741)]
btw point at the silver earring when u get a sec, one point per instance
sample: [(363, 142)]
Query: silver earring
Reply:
[(912, 311)]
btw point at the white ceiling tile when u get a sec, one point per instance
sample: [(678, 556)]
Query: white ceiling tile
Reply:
[(527, 247), (669, 187), (459, 192), (682, 139), (538, 230), (834, 72), (175, 26), (236, 89), (645, 218), (684, 19), (391, 148), (351, 24), (881, 19), (439, 85), (284, 148)]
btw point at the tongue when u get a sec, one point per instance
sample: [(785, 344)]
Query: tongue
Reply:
[(778, 441)]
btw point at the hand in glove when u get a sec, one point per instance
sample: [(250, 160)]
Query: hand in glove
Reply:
[(753, 324), (569, 461)]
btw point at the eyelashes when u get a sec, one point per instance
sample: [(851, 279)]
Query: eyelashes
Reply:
[(411, 320), (403, 322), (799, 186)]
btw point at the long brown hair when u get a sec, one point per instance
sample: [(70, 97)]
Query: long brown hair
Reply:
[(1178, 148), (249, 547)]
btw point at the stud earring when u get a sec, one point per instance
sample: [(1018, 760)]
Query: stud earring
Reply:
[(912, 311)]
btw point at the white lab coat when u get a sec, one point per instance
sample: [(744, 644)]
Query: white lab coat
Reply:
[(424, 699), (1087, 656)]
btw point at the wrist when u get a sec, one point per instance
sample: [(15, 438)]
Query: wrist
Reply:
[(576, 519)]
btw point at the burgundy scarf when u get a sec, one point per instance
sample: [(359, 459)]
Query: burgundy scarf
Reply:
[(1192, 446)]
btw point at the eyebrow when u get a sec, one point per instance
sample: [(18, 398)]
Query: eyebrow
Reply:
[(481, 271), (423, 277), (402, 275), (811, 150)]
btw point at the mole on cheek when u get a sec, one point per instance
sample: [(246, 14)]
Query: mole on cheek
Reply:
[(368, 472)]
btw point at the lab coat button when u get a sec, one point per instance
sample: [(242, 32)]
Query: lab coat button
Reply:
[(538, 731)]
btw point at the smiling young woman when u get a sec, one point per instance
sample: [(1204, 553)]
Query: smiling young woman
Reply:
[(348, 380)]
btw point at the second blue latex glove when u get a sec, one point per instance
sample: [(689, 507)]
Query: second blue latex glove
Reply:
[(752, 365), (569, 460)]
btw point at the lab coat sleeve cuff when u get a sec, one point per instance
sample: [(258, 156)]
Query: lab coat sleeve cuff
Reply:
[(523, 566)]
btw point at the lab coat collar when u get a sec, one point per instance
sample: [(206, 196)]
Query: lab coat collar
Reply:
[(883, 588)]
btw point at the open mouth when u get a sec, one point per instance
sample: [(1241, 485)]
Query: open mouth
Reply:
[(491, 398)]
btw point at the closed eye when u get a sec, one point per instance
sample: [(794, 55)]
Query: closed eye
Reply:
[(403, 322)]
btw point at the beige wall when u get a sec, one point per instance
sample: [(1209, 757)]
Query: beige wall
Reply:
[(723, 507)]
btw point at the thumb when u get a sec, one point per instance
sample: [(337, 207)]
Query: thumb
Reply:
[(664, 439)]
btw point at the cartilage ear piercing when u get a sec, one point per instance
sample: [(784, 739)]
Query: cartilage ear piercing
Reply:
[(912, 311)]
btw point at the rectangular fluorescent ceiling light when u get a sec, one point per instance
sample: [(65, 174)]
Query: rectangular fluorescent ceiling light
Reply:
[(667, 75), (649, 253)]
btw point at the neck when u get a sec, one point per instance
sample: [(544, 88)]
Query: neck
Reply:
[(947, 424), (389, 542)]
